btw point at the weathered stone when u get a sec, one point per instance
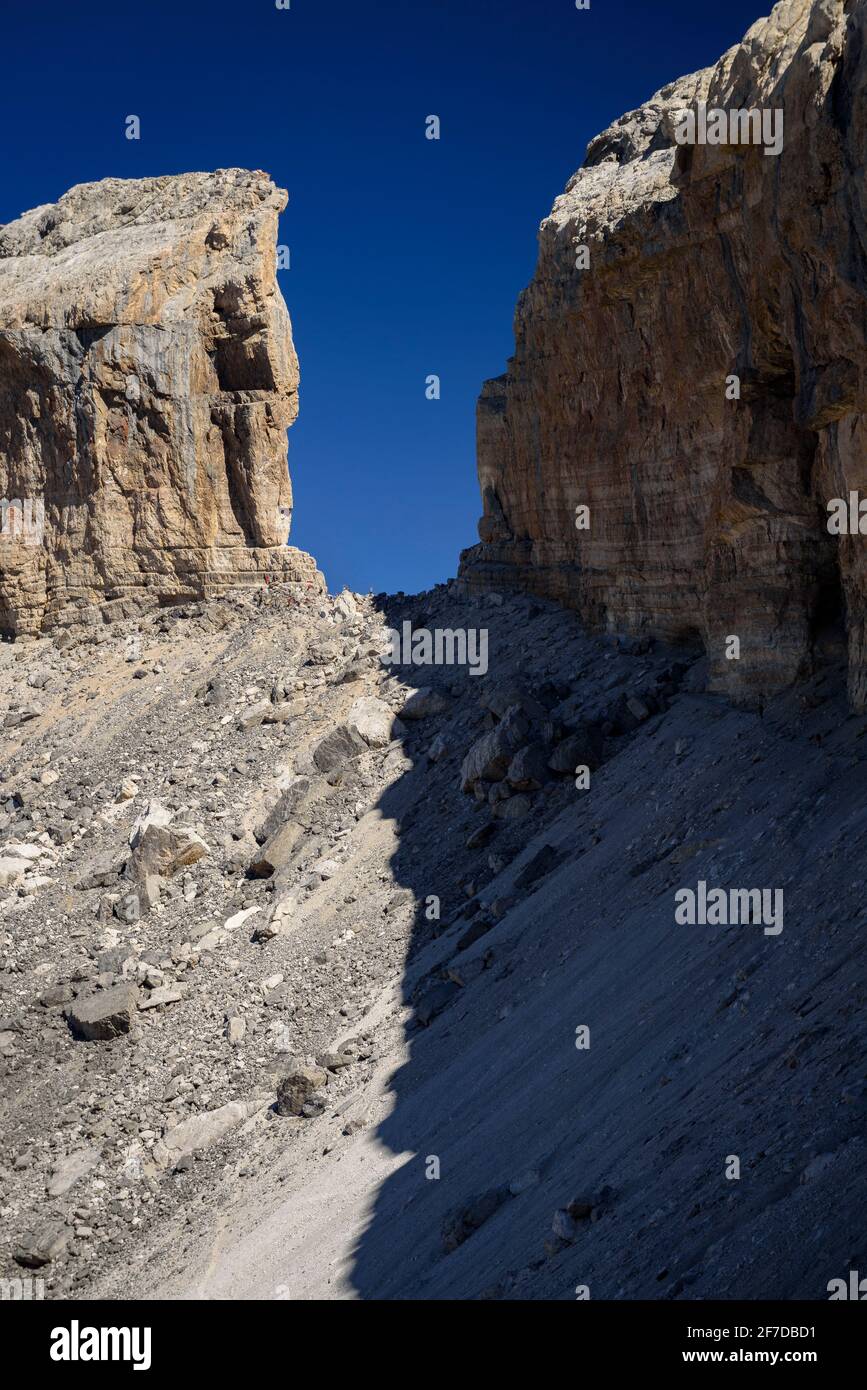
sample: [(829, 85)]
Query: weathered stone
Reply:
[(440, 748), (71, 1170), (156, 814), (436, 997), (489, 758), (528, 770), (56, 995), (101, 871), (298, 1088), (504, 694), (164, 994), (337, 748), (516, 808), (236, 1030), (578, 750), (374, 721), (40, 1247), (12, 871), (423, 703), (104, 1015), (144, 319), (254, 716), (163, 850), (543, 862), (459, 1225), (482, 836), (277, 851), (707, 513), (128, 909), (201, 1132)]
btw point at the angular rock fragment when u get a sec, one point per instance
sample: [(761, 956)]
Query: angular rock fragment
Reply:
[(581, 749), (436, 997), (71, 1170), (278, 851), (297, 1092), (374, 721), (162, 850), (101, 871), (106, 1014), (489, 758), (43, 1245), (423, 703), (338, 748), (201, 1132), (528, 770)]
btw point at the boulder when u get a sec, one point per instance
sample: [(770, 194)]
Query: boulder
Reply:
[(162, 850), (296, 1094), (489, 758), (104, 1015), (528, 770), (277, 852), (374, 721), (201, 1132), (338, 748), (40, 1247), (580, 749), (423, 703)]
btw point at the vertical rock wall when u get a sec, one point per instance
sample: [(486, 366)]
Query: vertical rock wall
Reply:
[(147, 379), (707, 515)]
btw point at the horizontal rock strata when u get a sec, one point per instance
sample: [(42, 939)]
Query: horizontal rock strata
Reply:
[(147, 380), (707, 514)]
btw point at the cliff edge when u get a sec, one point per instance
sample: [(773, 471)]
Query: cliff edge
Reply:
[(690, 367), (147, 379)]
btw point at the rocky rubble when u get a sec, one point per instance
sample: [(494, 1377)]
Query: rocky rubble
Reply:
[(229, 960), (202, 900)]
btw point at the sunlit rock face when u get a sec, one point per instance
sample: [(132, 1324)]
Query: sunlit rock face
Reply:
[(147, 380), (708, 498)]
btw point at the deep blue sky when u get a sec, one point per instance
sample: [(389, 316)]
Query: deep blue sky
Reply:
[(407, 255)]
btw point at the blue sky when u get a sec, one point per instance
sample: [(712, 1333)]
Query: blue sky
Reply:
[(407, 254)]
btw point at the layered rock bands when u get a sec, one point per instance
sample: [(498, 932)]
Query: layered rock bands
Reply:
[(704, 262), (147, 380)]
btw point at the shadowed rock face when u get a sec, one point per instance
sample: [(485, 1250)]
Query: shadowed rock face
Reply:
[(707, 515), (147, 379)]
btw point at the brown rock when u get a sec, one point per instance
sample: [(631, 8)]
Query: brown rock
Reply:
[(707, 515), (296, 1092), (148, 379)]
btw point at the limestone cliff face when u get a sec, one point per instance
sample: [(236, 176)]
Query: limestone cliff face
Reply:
[(147, 379), (707, 515)]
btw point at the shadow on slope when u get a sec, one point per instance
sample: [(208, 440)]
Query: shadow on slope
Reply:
[(707, 1044)]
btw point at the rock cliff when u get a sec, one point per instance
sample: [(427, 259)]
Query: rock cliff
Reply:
[(703, 263), (147, 379)]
